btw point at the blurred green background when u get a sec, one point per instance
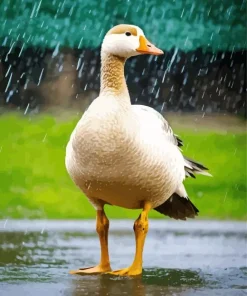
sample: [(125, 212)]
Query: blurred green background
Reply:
[(35, 184)]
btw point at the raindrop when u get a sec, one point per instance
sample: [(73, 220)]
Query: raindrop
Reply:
[(6, 59), (6, 221), (34, 8), (192, 8), (25, 86), (56, 51), (21, 50), (10, 78), (162, 107), (28, 38), (9, 96), (182, 13), (80, 72), (8, 70), (40, 77), (225, 196), (80, 42), (157, 94), (38, 8), (185, 78), (170, 64), (78, 63), (5, 41), (173, 58), (71, 10), (209, 10), (44, 138), (26, 109)]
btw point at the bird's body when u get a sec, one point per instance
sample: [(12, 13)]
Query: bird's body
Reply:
[(124, 157), (127, 155)]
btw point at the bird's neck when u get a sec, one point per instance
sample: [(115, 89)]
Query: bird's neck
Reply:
[(112, 80)]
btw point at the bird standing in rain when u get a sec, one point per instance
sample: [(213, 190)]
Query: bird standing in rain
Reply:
[(127, 155)]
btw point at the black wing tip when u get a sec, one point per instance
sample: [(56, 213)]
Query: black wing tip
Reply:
[(194, 207), (197, 164), (178, 208), (192, 175), (179, 141)]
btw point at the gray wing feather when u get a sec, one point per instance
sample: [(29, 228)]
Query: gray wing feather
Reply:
[(164, 123), (191, 167)]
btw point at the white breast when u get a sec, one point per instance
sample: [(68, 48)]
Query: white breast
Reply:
[(125, 161)]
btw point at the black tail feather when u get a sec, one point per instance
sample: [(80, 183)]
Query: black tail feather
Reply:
[(196, 164), (193, 167), (178, 207), (179, 141)]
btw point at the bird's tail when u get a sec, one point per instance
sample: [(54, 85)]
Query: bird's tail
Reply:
[(192, 167), (178, 208)]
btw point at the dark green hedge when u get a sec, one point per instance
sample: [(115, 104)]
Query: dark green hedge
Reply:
[(186, 24)]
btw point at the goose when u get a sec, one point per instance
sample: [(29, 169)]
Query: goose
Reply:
[(127, 155)]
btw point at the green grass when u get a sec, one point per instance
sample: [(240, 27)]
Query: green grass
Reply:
[(34, 182)]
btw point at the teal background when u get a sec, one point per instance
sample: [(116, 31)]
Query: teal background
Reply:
[(185, 24)]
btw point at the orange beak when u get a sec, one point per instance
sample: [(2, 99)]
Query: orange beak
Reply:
[(147, 47)]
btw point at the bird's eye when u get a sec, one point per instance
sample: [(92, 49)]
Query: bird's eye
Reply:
[(128, 34)]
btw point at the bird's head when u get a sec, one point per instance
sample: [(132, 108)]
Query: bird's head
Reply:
[(126, 41)]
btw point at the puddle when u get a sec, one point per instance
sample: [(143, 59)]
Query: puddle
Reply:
[(180, 258)]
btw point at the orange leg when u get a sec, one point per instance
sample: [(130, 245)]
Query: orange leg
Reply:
[(141, 229), (102, 227)]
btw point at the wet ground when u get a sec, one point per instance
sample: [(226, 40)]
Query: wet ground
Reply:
[(180, 258)]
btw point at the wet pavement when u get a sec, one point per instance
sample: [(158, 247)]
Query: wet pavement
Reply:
[(180, 258)]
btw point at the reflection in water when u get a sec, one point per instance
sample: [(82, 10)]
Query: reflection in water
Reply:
[(105, 285), (154, 282)]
